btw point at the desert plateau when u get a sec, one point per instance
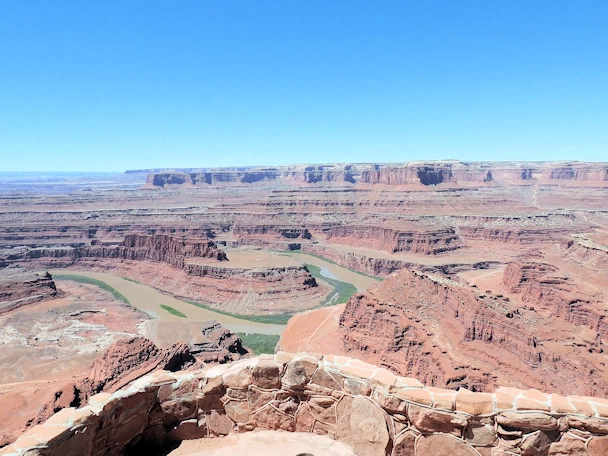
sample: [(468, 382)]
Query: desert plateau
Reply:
[(466, 276)]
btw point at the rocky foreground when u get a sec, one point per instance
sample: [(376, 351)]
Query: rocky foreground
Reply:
[(368, 409)]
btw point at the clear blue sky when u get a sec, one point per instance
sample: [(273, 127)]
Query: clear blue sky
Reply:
[(115, 85)]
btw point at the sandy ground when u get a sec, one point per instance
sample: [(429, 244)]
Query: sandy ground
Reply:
[(264, 443), (314, 331), (49, 344)]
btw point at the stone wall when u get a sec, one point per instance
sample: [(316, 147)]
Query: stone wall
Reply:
[(369, 408)]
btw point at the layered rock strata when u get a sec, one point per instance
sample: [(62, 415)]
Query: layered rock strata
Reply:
[(450, 334), (217, 344), (368, 408), (193, 269), (554, 294), (161, 248), (123, 362), (427, 241), (398, 174), (20, 287), (381, 266), (131, 358), (587, 253)]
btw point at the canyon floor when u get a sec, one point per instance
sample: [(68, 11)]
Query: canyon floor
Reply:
[(461, 275)]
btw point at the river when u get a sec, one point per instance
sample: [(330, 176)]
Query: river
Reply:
[(149, 300)]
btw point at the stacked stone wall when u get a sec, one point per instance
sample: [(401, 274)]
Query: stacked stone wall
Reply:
[(374, 411)]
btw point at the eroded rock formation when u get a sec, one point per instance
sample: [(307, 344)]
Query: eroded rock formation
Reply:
[(450, 172), (417, 240), (217, 344), (189, 268), (369, 409), (19, 287), (122, 363), (450, 334)]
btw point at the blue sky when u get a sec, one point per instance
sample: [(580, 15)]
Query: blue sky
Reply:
[(115, 85)]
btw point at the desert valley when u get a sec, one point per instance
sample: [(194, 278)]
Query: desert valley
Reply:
[(478, 277)]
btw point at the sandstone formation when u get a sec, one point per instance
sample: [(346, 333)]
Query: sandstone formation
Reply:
[(190, 268), (449, 334), (217, 344), (175, 251), (427, 241), (19, 287), (129, 359), (500, 282), (553, 293), (123, 362), (413, 173), (366, 408)]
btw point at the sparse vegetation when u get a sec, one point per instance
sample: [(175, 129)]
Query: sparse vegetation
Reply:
[(83, 279), (133, 280), (173, 311), (342, 291), (270, 319), (260, 343)]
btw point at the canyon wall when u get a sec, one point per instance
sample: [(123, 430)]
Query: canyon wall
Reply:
[(586, 253), (161, 248), (191, 269), (450, 334), (303, 175), (424, 174), (556, 295), (19, 287), (379, 266), (417, 240), (368, 408)]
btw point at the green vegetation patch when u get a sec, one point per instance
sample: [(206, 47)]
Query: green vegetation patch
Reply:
[(83, 279), (133, 280), (342, 290), (173, 311), (260, 343), (271, 319)]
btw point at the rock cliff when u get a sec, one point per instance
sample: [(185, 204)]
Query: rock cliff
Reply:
[(450, 334), (161, 248), (122, 363), (19, 287), (450, 173), (427, 240), (555, 294), (192, 269)]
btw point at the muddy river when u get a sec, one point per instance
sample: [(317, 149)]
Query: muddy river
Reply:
[(149, 300)]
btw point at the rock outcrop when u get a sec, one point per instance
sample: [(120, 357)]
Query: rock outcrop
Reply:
[(190, 268), (217, 344), (555, 294), (426, 240), (122, 363), (450, 334), (19, 287), (424, 174), (310, 174), (161, 248), (586, 252), (367, 408)]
